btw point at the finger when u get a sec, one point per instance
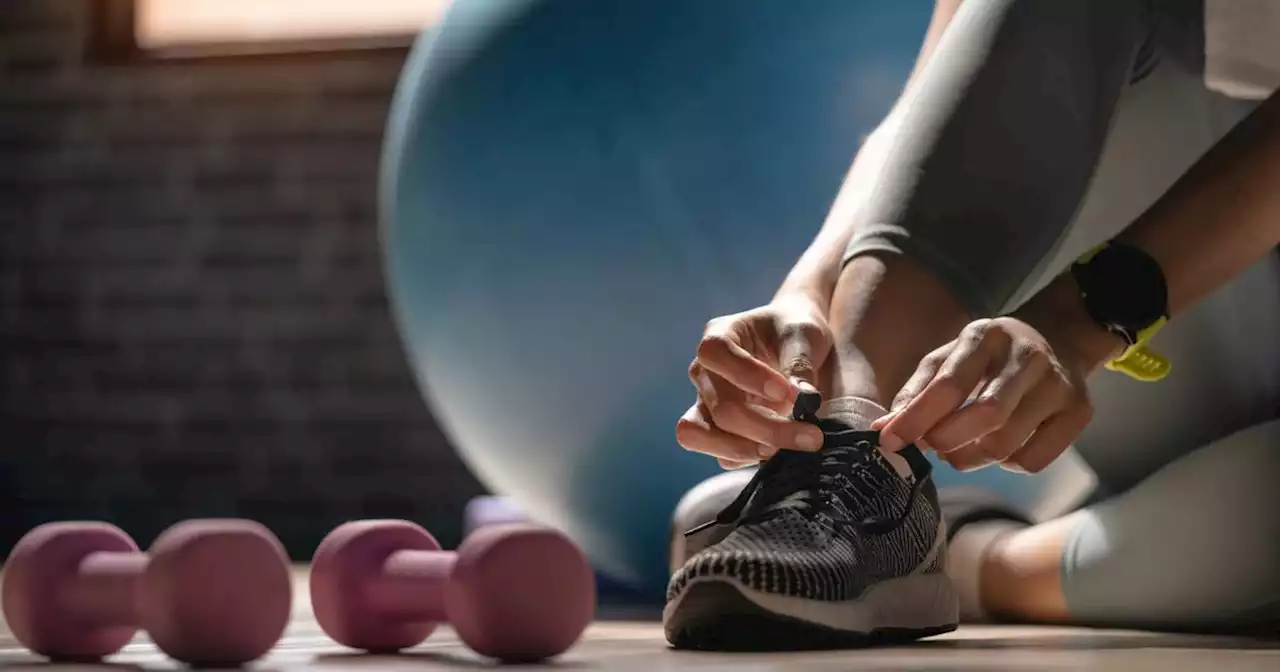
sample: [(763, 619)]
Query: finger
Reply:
[(764, 426), (925, 372), (708, 392), (731, 465), (976, 352), (996, 404), (695, 432), (800, 347), (721, 355), (702, 383), (731, 410), (779, 407), (880, 422), (1043, 401), (1050, 440)]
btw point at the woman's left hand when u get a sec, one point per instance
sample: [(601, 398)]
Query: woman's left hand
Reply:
[(997, 394)]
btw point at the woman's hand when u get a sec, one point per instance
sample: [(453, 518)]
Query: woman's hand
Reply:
[(997, 394), (747, 372)]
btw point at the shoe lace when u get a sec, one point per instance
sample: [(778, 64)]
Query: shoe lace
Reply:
[(806, 481)]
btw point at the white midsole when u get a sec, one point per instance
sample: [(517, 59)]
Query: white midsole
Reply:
[(921, 600), (913, 602)]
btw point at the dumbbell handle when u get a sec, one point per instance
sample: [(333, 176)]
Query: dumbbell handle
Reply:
[(411, 585), (104, 591)]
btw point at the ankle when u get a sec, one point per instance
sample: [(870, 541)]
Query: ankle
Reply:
[(995, 578), (972, 564), (1019, 577)]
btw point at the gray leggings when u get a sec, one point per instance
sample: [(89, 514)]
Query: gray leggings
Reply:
[(1039, 130)]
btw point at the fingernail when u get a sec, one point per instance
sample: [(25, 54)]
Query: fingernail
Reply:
[(765, 452), (891, 442), (809, 439), (776, 391), (803, 385)]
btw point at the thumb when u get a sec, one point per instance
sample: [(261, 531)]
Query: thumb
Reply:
[(801, 349)]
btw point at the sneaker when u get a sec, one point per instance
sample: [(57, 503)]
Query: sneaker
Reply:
[(829, 549), (702, 504)]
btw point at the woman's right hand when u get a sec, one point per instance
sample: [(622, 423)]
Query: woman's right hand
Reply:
[(748, 369)]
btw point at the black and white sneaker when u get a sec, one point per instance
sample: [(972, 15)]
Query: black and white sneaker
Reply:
[(829, 549)]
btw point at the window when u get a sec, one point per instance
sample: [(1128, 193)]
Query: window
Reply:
[(230, 27)]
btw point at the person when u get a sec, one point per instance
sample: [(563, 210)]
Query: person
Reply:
[(1051, 196)]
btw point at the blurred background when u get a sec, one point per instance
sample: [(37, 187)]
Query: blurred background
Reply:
[(192, 309)]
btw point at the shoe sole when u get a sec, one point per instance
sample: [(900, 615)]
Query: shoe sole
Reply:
[(717, 614)]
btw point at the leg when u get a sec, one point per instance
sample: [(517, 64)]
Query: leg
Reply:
[(1223, 383), (997, 144), (1192, 547), (1163, 125), (1010, 84)]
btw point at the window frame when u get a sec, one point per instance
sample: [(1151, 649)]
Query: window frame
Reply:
[(114, 40)]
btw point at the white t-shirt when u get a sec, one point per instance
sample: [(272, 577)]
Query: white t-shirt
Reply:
[(1242, 47)]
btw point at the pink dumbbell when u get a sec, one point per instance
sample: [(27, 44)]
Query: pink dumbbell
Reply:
[(210, 592), (517, 593)]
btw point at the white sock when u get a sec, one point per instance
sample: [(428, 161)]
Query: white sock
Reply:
[(856, 411), (859, 413), (964, 562)]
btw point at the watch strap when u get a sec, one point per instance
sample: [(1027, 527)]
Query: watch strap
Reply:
[(1137, 360), (1140, 362)]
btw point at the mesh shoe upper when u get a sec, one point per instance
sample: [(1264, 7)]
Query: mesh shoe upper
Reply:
[(826, 525)]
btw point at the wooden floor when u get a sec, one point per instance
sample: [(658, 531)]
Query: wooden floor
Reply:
[(639, 645)]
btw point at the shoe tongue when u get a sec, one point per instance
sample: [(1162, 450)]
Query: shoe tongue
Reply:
[(793, 473), (845, 433)]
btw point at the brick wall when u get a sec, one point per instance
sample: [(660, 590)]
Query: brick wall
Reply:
[(192, 316)]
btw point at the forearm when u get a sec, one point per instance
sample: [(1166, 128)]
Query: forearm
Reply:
[(889, 310), (964, 202), (1216, 221), (815, 274), (1222, 216)]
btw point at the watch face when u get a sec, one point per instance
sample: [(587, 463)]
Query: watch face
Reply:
[(1125, 288)]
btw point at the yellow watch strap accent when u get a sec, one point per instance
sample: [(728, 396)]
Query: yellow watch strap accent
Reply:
[(1088, 256), (1139, 362)]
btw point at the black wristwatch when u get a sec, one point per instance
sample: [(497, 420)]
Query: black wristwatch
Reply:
[(1123, 289)]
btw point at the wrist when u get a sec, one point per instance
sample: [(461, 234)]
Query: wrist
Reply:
[(804, 289), (1059, 314)]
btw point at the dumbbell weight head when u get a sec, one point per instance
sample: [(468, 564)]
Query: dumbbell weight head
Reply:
[(344, 562), (512, 592), (210, 592), (520, 592), (41, 565), (218, 592)]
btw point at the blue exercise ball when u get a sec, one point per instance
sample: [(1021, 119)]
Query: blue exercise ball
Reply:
[(572, 188)]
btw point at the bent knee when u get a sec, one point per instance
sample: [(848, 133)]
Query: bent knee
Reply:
[(1194, 546)]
